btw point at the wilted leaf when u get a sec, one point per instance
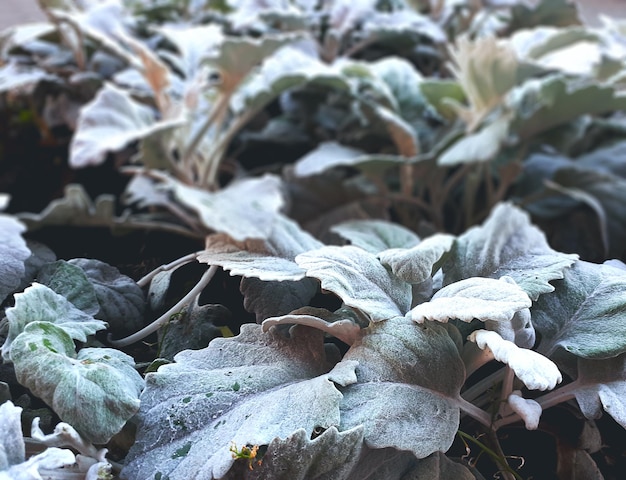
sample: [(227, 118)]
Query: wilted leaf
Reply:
[(415, 264), (121, 300), (536, 371), (244, 209), (359, 279), (374, 236), (507, 244), (13, 255), (585, 315), (400, 400), (39, 303), (96, 391), (474, 298), (234, 391)]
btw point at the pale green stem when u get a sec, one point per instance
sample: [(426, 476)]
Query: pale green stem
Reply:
[(163, 319), (477, 413), (143, 282), (483, 385)]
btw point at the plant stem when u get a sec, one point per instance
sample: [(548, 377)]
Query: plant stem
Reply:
[(179, 262), (497, 456), (163, 319)]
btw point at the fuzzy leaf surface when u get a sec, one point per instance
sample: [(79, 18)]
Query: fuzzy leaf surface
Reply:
[(107, 124), (480, 298), (401, 397), (39, 303), (71, 282), (359, 279), (507, 244), (249, 389), (271, 258), (374, 236), (586, 314), (602, 387), (13, 254), (96, 391), (415, 264), (244, 209)]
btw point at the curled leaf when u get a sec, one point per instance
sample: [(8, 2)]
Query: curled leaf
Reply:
[(536, 371)]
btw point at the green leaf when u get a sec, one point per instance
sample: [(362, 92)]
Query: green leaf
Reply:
[(70, 281), (121, 300), (544, 103), (249, 390), (400, 396), (359, 279), (585, 315), (96, 391), (13, 255), (439, 92), (374, 236), (416, 264), (507, 244), (39, 303)]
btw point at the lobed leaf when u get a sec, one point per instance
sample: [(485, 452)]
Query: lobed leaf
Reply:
[(374, 236), (248, 390), (536, 371), (400, 396), (416, 264), (585, 315), (70, 281), (359, 279), (95, 391), (507, 244), (39, 303), (474, 298)]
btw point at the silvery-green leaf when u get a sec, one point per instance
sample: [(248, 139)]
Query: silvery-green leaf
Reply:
[(121, 300), (244, 209), (536, 371), (359, 279), (374, 236), (13, 254), (108, 123), (331, 454), (402, 23), (507, 244), (543, 103), (248, 390), (269, 299), (75, 208), (40, 255), (14, 76), (473, 298), (415, 264), (39, 303), (439, 93), (585, 315), (70, 281), (601, 385), (96, 391), (287, 68), (481, 146), (339, 325), (12, 448), (270, 258), (400, 397)]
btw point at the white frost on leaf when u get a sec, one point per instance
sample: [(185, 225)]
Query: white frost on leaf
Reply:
[(536, 371), (474, 298)]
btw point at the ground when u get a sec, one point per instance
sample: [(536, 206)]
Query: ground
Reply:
[(19, 11)]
